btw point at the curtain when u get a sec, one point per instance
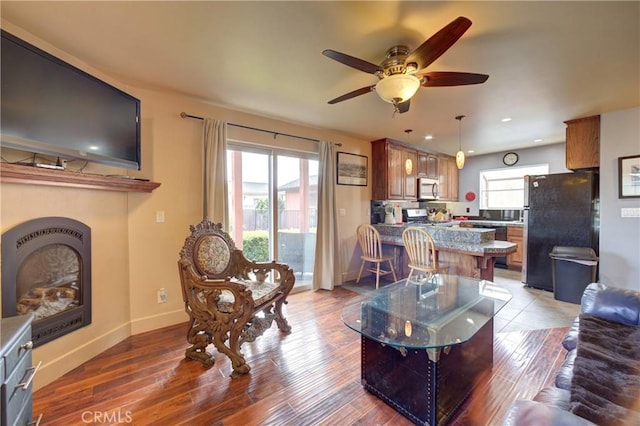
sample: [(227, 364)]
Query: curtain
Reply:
[(214, 205), (326, 271)]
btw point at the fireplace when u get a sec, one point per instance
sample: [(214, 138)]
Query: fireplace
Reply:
[(46, 272)]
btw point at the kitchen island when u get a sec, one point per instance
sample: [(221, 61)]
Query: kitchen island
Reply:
[(469, 252)]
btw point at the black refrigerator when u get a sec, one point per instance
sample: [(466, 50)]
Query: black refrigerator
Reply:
[(559, 210)]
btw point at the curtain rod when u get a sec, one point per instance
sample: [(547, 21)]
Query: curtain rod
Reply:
[(185, 115)]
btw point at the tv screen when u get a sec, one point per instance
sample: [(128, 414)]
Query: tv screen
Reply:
[(51, 107)]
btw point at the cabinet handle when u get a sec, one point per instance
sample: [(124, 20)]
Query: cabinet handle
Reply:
[(37, 422), (34, 370), (27, 345)]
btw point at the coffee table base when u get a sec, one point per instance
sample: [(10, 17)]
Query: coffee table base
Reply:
[(426, 391)]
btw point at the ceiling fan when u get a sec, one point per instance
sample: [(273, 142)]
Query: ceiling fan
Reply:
[(402, 71)]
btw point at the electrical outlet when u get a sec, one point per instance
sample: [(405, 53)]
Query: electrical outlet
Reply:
[(162, 296), (160, 216)]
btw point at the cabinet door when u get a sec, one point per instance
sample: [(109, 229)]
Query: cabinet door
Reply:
[(423, 164), (443, 178), (583, 143), (453, 180), (448, 177), (396, 172), (432, 166), (514, 235), (410, 174)]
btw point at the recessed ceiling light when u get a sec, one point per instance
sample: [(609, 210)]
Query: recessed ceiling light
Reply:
[(470, 151), (537, 140), (428, 137), (506, 119)]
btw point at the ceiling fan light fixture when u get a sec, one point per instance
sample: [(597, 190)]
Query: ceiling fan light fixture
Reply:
[(397, 88)]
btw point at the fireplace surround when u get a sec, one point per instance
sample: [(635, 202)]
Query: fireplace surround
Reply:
[(46, 272)]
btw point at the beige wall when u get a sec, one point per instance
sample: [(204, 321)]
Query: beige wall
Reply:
[(105, 213), (133, 255)]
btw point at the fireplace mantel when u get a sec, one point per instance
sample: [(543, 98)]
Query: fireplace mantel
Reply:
[(15, 173)]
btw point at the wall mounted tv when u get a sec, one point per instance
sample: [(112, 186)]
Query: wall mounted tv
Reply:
[(51, 107)]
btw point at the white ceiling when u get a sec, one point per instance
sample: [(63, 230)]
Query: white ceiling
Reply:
[(548, 61)]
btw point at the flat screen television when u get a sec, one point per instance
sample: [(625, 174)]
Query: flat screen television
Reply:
[(48, 106)]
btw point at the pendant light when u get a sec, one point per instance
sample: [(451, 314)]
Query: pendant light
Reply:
[(408, 164), (460, 153)]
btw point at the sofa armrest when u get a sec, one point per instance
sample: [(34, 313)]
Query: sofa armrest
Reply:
[(616, 304), (589, 295), (533, 413)]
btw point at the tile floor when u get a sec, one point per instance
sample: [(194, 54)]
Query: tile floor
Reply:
[(529, 309)]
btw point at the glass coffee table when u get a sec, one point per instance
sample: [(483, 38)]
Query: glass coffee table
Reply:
[(425, 344)]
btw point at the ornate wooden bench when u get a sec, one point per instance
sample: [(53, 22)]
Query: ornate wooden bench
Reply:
[(230, 299)]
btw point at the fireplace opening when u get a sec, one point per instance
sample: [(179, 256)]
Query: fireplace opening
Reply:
[(46, 272)]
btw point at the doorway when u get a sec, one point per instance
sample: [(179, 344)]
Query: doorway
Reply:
[(273, 206)]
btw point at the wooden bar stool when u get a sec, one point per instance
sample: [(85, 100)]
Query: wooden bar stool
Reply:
[(369, 240)]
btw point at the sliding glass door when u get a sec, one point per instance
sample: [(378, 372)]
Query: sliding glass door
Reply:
[(273, 206)]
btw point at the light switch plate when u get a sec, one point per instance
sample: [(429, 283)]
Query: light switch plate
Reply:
[(630, 212)]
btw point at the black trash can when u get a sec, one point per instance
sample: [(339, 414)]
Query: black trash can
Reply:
[(573, 269)]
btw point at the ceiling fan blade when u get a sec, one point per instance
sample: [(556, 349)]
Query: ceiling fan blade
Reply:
[(403, 106), (353, 62), (450, 78), (361, 91), (438, 43)]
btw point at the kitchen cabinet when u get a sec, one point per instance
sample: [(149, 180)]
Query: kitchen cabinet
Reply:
[(427, 165), (394, 171), (514, 235), (583, 143), (448, 178)]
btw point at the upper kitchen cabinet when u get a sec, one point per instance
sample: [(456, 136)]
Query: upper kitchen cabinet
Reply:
[(394, 171), (583, 143), (448, 178), (427, 165)]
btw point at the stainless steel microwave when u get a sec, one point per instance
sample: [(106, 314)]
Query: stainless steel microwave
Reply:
[(428, 189)]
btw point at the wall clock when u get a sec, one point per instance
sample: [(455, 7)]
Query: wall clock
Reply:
[(510, 158)]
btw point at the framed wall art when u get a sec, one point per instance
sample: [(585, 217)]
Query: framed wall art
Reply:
[(352, 169), (629, 177)]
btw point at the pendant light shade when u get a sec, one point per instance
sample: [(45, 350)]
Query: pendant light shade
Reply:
[(460, 153), (460, 159)]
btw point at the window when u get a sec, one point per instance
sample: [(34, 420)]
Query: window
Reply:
[(504, 188)]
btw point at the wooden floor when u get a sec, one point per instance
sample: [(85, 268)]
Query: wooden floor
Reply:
[(309, 377)]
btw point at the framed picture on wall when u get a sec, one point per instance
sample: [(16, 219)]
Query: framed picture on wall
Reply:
[(352, 169), (629, 177)]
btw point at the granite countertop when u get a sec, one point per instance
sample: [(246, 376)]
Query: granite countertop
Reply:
[(474, 241)]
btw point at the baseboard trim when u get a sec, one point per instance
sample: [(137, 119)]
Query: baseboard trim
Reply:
[(53, 369), (57, 367), (153, 322)]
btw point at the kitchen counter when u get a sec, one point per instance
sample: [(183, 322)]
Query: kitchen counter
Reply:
[(466, 251), (515, 223)]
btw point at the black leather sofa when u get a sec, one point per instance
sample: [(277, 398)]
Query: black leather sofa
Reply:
[(599, 380)]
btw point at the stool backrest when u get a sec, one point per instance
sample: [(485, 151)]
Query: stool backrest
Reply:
[(369, 240), (420, 248)]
